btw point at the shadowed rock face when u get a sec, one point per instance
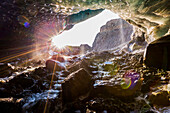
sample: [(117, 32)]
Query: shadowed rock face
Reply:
[(75, 85), (114, 33), (157, 54)]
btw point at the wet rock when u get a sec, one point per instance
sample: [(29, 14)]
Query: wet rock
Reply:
[(10, 105), (103, 55), (108, 90), (111, 68), (75, 107), (109, 105), (5, 70), (38, 87), (149, 81), (65, 73), (17, 86), (22, 81), (157, 53), (160, 98), (58, 58), (76, 86), (53, 105), (82, 64), (73, 59), (128, 86), (53, 65), (41, 72)]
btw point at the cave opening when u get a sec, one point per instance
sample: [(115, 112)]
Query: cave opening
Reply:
[(110, 74), (83, 33)]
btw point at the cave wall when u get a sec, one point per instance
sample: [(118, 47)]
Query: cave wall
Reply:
[(152, 17)]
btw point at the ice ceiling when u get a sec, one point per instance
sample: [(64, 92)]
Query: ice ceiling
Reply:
[(152, 17)]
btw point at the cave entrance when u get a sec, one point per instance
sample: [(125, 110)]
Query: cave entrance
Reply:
[(85, 34)]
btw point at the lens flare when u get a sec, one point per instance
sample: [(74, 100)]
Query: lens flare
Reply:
[(64, 24), (126, 83), (24, 21), (130, 79), (26, 24)]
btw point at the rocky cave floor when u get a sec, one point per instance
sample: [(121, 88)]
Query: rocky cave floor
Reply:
[(108, 85)]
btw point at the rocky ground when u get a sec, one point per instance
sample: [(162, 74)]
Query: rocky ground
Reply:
[(102, 82)]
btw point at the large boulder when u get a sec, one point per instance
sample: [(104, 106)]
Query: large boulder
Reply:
[(157, 53), (76, 86)]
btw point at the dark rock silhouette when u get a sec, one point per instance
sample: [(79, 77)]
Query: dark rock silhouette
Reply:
[(75, 85)]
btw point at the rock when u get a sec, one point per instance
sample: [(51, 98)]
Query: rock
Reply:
[(16, 86), (160, 98), (54, 105), (85, 64), (76, 85), (53, 65), (128, 86), (157, 53), (84, 48), (68, 50), (41, 72), (110, 105), (108, 89), (58, 58), (114, 33), (10, 105), (5, 70), (137, 40), (103, 55), (65, 73), (22, 82)]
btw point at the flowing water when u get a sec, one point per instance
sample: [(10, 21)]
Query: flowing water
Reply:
[(45, 91)]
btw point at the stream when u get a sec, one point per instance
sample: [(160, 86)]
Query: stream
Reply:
[(34, 89)]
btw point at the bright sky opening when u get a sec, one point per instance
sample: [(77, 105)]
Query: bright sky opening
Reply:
[(84, 32)]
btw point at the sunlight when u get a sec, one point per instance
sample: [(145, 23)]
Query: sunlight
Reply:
[(84, 32)]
